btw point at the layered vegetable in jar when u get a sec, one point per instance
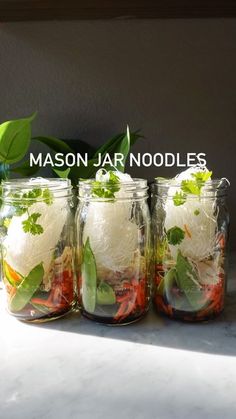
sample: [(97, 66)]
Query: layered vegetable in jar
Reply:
[(113, 246), (37, 245), (190, 227)]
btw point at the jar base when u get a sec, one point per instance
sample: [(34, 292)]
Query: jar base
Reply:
[(110, 321), (43, 319), (186, 318)]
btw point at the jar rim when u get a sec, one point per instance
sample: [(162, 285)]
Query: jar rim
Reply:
[(29, 183), (58, 186), (137, 182), (213, 184)]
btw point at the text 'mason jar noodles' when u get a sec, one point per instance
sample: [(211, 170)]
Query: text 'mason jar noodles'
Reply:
[(113, 233), (37, 248), (190, 226)]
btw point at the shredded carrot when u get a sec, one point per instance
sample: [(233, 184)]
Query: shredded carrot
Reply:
[(187, 231)]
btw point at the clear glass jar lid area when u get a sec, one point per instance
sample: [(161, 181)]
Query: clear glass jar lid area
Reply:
[(13, 189), (210, 189), (93, 190)]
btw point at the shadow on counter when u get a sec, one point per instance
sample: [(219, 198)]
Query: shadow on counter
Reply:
[(216, 336)]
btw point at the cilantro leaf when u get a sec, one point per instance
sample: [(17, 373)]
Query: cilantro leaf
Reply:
[(179, 198), (175, 235), (30, 225), (194, 186), (190, 187), (108, 188)]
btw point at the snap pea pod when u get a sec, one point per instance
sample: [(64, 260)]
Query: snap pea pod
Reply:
[(27, 288), (105, 294), (188, 282), (89, 278)]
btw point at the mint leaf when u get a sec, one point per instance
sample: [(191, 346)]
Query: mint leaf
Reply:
[(179, 198), (175, 235)]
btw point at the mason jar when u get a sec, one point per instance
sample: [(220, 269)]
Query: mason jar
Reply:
[(190, 249), (113, 248), (37, 248)]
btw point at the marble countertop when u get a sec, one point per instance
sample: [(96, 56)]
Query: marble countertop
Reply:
[(155, 369)]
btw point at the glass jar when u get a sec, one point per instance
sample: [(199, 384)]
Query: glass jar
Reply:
[(190, 249), (113, 245), (37, 248)]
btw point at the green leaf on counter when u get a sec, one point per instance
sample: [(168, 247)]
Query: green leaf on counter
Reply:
[(27, 288), (175, 235), (89, 278), (105, 294), (187, 281), (15, 139)]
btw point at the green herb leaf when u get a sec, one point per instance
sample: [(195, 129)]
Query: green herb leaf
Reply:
[(15, 139), (55, 144), (179, 198), (63, 174), (25, 169), (105, 294), (190, 187), (106, 189), (27, 288), (175, 235), (89, 278), (196, 212), (30, 225), (124, 149), (194, 186)]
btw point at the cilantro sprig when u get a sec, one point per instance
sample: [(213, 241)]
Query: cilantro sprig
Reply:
[(23, 201), (108, 188), (191, 186), (31, 226), (175, 235)]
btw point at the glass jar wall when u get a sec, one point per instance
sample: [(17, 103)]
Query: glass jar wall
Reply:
[(37, 247), (113, 245), (190, 247)]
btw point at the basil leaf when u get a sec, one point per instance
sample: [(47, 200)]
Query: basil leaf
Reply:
[(187, 281), (89, 278), (55, 144), (25, 169), (124, 149), (15, 139), (105, 294), (27, 288), (63, 174)]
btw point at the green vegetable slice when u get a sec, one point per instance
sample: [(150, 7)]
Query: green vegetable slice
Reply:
[(169, 282), (27, 288), (105, 294), (187, 281), (89, 278)]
